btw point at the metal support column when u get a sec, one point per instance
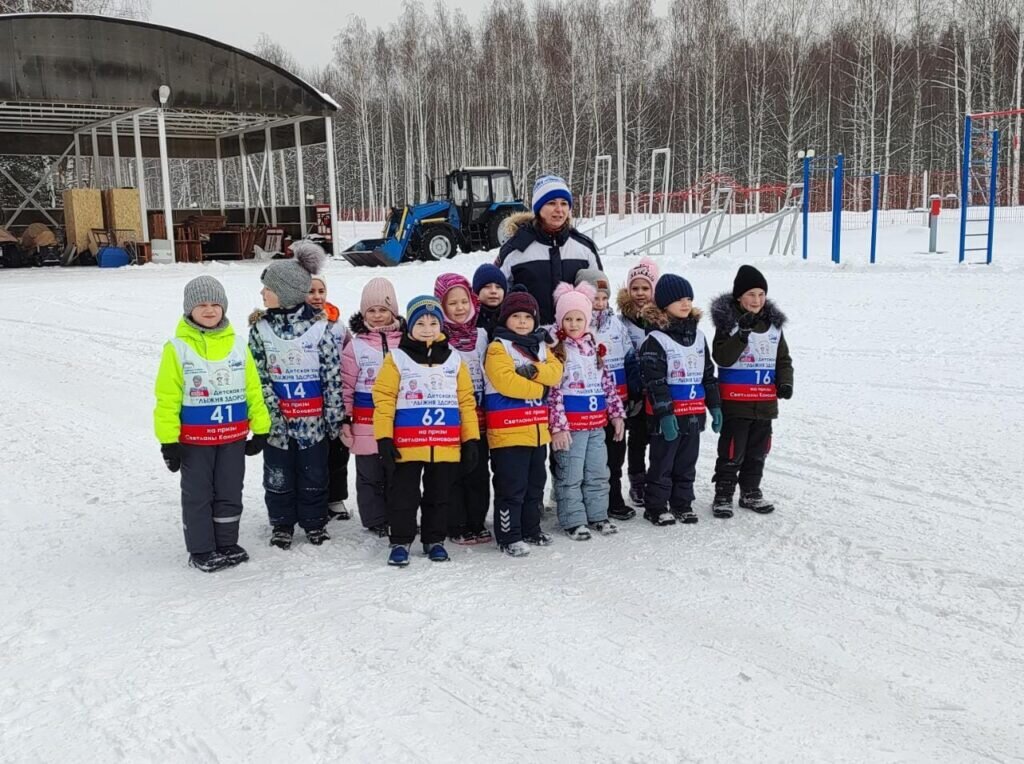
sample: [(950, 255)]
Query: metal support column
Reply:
[(965, 185), (243, 158), (301, 176), (140, 177), (876, 184), (78, 163), (332, 189), (993, 177), (220, 176), (117, 154), (268, 157), (94, 176), (837, 208), (165, 178), (805, 201)]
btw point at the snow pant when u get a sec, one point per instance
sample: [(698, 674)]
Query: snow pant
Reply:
[(404, 500), (337, 466), (581, 480), (743, 445), (637, 439), (211, 495), (519, 477), (470, 497), (616, 457), (669, 482), (295, 481), (371, 491)]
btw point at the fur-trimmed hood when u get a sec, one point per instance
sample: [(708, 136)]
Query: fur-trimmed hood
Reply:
[(629, 309), (357, 325), (725, 311), (656, 318)]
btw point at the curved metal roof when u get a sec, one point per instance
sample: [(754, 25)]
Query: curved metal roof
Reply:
[(88, 60)]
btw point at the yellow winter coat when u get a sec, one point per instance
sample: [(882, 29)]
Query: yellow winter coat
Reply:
[(500, 370), (385, 396), (170, 383)]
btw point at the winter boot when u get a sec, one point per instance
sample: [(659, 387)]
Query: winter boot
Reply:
[(484, 537), (282, 536), (463, 538), (605, 527), (722, 505), (208, 562), (436, 552), (617, 509), (579, 533), (539, 539), (235, 554), (659, 518), (337, 510), (684, 515), (399, 556), (755, 501), (515, 549), (636, 489), (318, 536), (380, 531)]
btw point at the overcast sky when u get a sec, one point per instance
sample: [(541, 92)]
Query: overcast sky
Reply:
[(306, 27)]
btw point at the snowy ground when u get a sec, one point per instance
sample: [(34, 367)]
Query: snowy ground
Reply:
[(875, 617)]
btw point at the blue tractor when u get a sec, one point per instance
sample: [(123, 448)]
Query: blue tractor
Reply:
[(468, 215)]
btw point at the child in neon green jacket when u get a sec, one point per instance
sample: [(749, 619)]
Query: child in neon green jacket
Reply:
[(208, 398)]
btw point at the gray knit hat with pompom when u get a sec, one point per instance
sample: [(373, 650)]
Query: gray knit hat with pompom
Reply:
[(291, 279)]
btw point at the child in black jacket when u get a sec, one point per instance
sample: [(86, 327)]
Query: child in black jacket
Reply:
[(679, 379), (756, 370)]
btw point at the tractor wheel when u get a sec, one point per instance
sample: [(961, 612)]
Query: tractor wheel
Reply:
[(436, 243), (497, 234)]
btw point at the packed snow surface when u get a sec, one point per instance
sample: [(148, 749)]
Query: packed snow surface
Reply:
[(876, 616)]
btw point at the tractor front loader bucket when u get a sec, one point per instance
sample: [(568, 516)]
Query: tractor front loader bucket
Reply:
[(374, 252)]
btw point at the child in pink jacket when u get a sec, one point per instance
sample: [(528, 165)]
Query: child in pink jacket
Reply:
[(376, 329)]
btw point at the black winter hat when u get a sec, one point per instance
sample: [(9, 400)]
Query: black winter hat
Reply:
[(519, 302), (748, 277), (670, 288)]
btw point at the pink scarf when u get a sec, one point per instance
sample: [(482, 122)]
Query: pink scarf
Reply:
[(460, 336)]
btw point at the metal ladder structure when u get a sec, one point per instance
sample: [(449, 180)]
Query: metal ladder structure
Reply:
[(978, 177), (790, 212), (721, 202)]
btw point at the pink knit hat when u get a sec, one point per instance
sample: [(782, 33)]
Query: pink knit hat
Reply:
[(446, 282), (569, 298), (646, 269), (378, 293)]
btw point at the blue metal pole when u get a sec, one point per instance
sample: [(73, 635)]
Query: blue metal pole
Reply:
[(992, 195), (876, 184), (965, 184), (806, 201), (837, 207)]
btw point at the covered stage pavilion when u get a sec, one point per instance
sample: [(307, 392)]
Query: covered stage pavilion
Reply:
[(81, 86)]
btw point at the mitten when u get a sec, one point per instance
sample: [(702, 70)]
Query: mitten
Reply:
[(529, 371), (716, 420), (785, 392), (255, 444), (470, 456), (172, 456), (669, 427), (389, 455)]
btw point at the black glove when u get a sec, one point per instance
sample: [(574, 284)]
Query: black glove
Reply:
[(746, 323), (255, 444), (529, 371), (470, 456), (784, 391), (172, 456), (389, 455)]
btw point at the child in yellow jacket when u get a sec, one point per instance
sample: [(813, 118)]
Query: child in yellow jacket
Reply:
[(424, 420), (519, 369), (208, 398)]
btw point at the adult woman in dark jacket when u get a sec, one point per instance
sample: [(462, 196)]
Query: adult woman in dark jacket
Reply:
[(544, 248)]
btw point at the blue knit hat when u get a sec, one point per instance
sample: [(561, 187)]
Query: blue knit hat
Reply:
[(488, 274), (670, 288), (548, 187), (424, 305)]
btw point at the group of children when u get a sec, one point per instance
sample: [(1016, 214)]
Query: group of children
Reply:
[(462, 393)]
